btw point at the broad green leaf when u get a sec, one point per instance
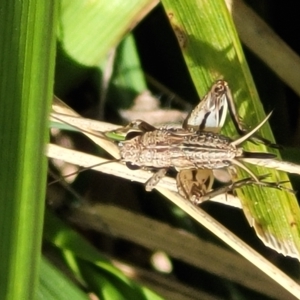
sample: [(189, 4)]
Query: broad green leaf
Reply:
[(88, 30)]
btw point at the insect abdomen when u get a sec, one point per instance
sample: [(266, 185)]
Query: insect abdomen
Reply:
[(207, 150)]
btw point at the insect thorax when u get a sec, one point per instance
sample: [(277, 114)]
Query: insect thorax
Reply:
[(179, 148)]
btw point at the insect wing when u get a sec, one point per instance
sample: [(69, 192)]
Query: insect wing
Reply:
[(210, 113)]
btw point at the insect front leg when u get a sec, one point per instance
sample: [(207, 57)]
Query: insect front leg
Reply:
[(134, 128), (154, 179)]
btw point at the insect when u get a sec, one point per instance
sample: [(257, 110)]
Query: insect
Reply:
[(197, 151)]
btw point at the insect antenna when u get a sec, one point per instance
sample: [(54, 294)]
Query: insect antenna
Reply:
[(98, 135), (61, 178), (67, 207), (63, 183)]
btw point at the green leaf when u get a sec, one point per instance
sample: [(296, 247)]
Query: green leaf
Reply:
[(27, 56), (87, 263), (128, 78), (90, 29), (54, 285)]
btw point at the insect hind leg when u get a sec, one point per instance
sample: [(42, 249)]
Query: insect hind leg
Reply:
[(238, 123), (239, 184)]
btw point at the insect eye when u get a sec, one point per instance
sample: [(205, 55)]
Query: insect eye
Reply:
[(131, 166), (219, 88)]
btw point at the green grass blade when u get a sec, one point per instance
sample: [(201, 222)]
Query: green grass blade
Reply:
[(27, 52), (54, 285), (211, 48), (87, 263), (128, 77)]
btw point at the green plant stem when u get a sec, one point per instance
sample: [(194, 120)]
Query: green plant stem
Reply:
[(27, 57)]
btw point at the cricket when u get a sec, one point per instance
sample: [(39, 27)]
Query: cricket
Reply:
[(198, 153)]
